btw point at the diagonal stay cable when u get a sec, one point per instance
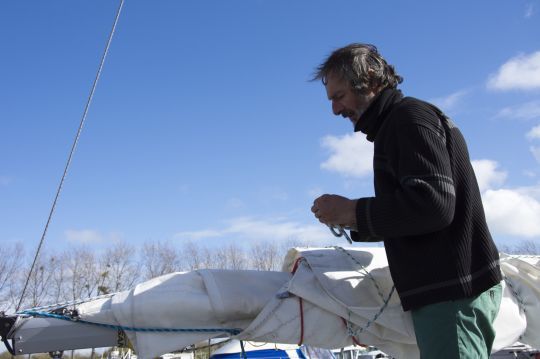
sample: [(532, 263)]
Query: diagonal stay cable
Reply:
[(83, 119)]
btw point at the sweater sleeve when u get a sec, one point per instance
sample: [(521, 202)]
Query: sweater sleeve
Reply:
[(424, 199)]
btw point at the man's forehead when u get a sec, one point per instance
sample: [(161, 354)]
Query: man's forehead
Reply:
[(335, 84)]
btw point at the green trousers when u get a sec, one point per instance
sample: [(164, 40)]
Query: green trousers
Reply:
[(458, 329)]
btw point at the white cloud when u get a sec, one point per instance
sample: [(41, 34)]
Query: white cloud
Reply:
[(529, 173), (276, 229), (90, 236), (512, 212), (529, 11), (201, 234), (274, 194), (315, 192), (350, 155), (235, 203), (526, 111), (535, 150), (521, 72), (534, 133), (449, 102), (531, 191), (487, 174)]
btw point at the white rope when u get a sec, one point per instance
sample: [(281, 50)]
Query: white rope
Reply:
[(83, 119)]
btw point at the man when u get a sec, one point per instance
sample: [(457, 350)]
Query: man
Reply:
[(427, 206)]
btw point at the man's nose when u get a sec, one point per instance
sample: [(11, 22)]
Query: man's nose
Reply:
[(336, 108)]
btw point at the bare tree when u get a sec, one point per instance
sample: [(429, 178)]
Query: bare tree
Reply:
[(10, 264), (217, 258), (505, 248), (226, 257), (57, 287), (37, 291), (527, 247), (102, 278), (209, 259), (82, 272), (236, 258), (119, 264), (158, 258), (193, 256), (89, 270), (265, 256)]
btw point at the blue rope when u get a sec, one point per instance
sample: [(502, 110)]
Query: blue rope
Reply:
[(350, 331), (517, 295), (363, 268), (355, 333), (132, 329)]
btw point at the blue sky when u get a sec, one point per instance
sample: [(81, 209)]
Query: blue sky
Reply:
[(204, 126)]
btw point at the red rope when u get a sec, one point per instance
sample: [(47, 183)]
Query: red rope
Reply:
[(296, 264), (301, 321), (301, 302)]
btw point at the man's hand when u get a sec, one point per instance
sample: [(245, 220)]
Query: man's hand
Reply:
[(332, 210)]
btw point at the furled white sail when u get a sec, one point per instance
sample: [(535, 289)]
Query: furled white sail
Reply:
[(346, 297)]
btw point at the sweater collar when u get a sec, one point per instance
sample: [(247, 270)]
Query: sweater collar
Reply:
[(376, 113)]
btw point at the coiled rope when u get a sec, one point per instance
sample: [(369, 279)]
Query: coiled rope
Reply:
[(339, 231)]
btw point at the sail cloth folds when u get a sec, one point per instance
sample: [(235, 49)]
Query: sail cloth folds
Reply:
[(342, 292)]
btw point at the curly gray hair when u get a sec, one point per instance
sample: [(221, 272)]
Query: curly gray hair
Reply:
[(361, 65)]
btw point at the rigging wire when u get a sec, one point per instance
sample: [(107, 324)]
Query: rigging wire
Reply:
[(83, 119)]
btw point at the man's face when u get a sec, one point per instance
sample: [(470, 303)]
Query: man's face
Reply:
[(345, 101)]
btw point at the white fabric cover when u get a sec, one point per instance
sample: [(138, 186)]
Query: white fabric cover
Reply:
[(265, 305)]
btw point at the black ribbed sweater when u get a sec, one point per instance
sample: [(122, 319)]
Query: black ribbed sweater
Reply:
[(427, 206)]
